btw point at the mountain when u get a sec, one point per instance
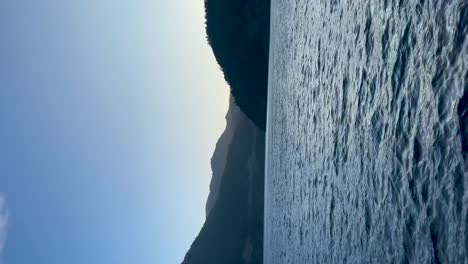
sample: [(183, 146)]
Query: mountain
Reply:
[(219, 158), (233, 231), (239, 33)]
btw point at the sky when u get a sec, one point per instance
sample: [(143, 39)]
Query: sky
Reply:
[(109, 114)]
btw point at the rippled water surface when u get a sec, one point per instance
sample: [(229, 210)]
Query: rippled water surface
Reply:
[(364, 140)]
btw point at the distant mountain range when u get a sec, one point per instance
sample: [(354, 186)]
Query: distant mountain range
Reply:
[(219, 159), (238, 32), (233, 231)]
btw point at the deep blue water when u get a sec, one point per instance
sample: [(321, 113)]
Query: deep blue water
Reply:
[(365, 158)]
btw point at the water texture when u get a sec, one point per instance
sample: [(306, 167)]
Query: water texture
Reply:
[(366, 134)]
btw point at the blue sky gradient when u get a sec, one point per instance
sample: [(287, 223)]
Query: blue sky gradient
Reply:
[(109, 114)]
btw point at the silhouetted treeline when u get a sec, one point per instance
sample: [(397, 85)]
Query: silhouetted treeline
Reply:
[(239, 33)]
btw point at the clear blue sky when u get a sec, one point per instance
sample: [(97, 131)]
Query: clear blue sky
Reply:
[(109, 113)]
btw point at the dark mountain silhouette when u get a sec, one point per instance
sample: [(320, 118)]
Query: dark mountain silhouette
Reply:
[(239, 33), (219, 158), (233, 231)]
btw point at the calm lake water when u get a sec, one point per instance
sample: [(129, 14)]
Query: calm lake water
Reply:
[(364, 150)]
